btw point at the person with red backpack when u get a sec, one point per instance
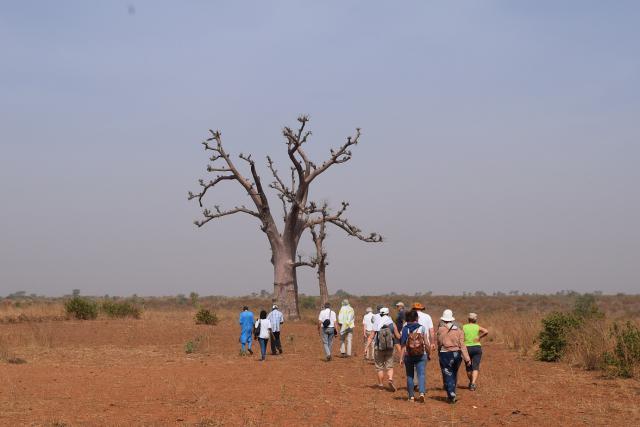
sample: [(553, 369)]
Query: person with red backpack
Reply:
[(414, 354)]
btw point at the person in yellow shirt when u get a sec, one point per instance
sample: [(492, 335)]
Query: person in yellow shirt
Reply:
[(346, 320), (473, 333)]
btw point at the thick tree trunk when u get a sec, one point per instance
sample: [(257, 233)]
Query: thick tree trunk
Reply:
[(285, 286)]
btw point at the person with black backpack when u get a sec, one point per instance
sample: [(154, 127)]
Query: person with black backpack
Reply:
[(414, 354), (328, 328), (385, 331)]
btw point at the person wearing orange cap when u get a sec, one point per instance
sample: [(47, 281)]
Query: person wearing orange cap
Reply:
[(429, 337)]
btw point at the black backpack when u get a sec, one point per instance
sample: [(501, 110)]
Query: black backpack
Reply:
[(385, 338)]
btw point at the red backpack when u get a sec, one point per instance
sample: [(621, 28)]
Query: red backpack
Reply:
[(416, 345)]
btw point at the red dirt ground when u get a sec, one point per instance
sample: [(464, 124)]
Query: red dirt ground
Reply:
[(136, 372)]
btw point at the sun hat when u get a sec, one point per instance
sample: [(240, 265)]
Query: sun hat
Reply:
[(399, 304), (369, 310), (473, 316), (384, 310), (447, 316), (275, 306), (417, 306)]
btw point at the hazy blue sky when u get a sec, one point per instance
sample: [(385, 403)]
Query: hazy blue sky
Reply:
[(500, 146)]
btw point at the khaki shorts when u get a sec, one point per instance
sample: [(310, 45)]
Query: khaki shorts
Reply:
[(383, 359)]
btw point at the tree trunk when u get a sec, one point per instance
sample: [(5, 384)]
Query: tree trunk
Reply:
[(285, 286), (322, 282)]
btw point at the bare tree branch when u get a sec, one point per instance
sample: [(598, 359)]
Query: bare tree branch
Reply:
[(208, 215)]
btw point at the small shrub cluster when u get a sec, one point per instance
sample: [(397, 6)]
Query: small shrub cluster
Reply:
[(553, 337), (307, 302), (206, 317), (192, 346), (624, 360), (81, 308), (121, 309)]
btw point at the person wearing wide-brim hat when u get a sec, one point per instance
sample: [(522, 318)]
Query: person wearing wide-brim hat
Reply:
[(451, 352)]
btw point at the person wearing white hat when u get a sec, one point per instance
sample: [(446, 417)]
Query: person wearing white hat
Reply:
[(451, 351), (346, 319), (385, 331), (367, 333), (276, 318)]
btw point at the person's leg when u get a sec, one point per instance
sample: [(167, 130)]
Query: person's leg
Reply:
[(349, 341), (273, 343), (325, 343), (278, 342), (446, 367), (330, 335), (343, 337), (378, 359), (263, 347), (475, 367), (380, 378), (457, 360), (420, 370), (408, 369), (249, 339)]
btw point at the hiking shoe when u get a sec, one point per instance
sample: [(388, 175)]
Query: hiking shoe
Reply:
[(411, 399), (243, 353), (250, 351), (392, 386), (472, 387), (380, 387), (421, 398), (328, 358), (452, 399), (280, 350)]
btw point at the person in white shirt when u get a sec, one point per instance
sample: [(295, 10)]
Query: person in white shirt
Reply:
[(328, 328), (263, 332), (374, 319), (346, 320), (367, 333), (385, 331)]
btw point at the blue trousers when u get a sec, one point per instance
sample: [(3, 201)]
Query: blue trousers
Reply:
[(245, 338), (263, 347), (418, 365), (449, 364)]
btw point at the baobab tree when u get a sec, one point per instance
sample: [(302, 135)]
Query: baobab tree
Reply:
[(293, 195), (318, 231)]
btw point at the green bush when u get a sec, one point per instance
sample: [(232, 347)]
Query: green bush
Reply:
[(308, 302), (624, 360), (553, 337), (81, 308), (121, 309), (206, 317), (586, 307)]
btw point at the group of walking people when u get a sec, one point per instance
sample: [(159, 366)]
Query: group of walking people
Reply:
[(411, 338), (264, 329)]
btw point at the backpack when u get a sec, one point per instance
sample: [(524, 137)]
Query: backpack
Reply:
[(256, 329), (415, 343), (385, 338)]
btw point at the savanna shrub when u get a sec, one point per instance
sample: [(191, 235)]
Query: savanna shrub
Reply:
[(81, 308), (307, 302), (586, 307), (624, 360), (121, 309), (206, 317), (553, 337)]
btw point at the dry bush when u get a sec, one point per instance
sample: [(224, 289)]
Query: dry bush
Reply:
[(515, 330), (587, 344)]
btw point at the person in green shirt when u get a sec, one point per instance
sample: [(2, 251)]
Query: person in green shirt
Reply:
[(473, 333)]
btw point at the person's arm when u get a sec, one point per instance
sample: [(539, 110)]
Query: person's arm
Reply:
[(463, 348), (483, 332), (336, 324), (395, 332), (432, 338)]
